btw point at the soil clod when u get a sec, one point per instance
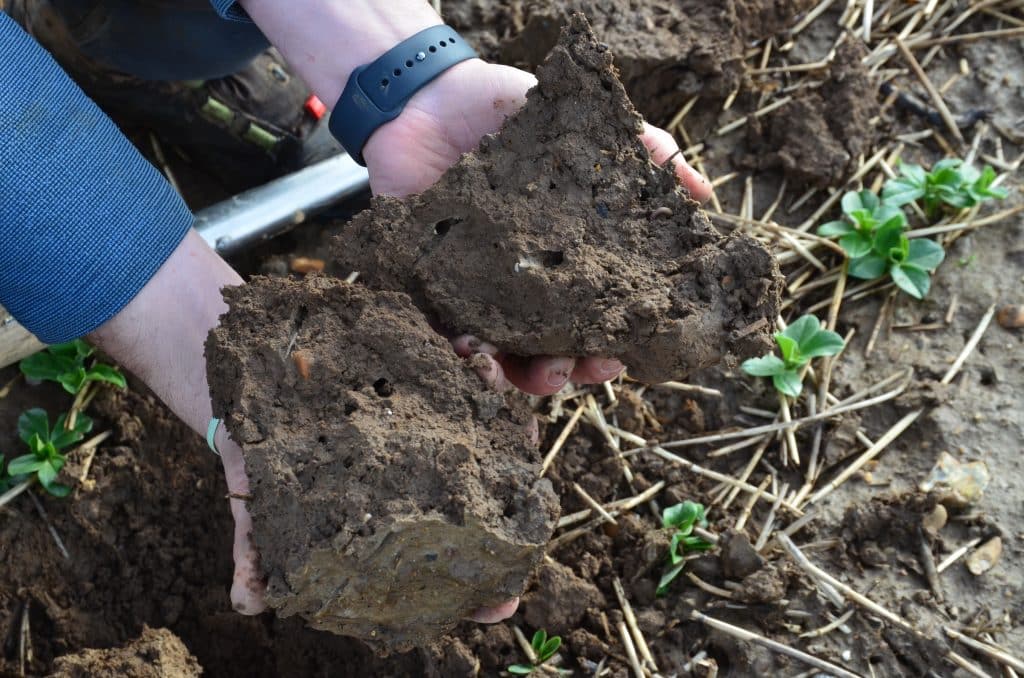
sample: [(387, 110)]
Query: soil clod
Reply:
[(391, 494), (541, 241)]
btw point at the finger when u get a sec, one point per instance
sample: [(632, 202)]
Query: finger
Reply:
[(466, 345), (493, 615), (247, 585), (540, 375), (491, 372), (596, 370), (663, 146)]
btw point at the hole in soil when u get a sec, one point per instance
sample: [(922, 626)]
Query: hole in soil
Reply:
[(988, 377), (382, 388), (442, 227), (550, 258), (552, 186), (350, 408)]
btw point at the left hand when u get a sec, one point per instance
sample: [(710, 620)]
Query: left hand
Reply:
[(448, 118)]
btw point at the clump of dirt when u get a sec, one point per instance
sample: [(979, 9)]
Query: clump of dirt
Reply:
[(817, 138), (391, 494), (666, 50), (559, 236), (157, 653)]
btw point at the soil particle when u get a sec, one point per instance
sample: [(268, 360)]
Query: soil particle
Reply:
[(391, 494), (541, 241), (157, 653), (817, 138), (767, 585), (558, 599), (737, 556)]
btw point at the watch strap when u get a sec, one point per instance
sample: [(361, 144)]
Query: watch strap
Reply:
[(376, 93)]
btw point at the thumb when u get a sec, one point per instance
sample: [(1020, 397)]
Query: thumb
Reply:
[(247, 586)]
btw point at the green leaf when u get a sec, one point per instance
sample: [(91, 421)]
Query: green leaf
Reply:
[(855, 245), (946, 164), (694, 543), (58, 490), (766, 366), (44, 366), (887, 213), (899, 192), (34, 422), (887, 239), (47, 473), (25, 465), (912, 280), (107, 374), (667, 577), (788, 383), (859, 200), (802, 330), (683, 514), (913, 173), (538, 640), (73, 380), (790, 349), (63, 438), (520, 669), (833, 228), (825, 342), (925, 254), (549, 649)]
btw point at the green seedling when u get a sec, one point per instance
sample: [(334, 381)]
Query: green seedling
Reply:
[(544, 648), (65, 364), (683, 518), (798, 343), (865, 214), (46, 456), (951, 183), (909, 262)]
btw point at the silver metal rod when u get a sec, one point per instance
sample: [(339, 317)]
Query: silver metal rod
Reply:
[(248, 218), (275, 208)]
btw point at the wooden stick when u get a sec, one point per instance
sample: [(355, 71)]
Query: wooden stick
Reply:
[(752, 637)]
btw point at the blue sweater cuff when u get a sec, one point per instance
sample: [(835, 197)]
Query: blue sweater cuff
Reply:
[(230, 9), (85, 221)]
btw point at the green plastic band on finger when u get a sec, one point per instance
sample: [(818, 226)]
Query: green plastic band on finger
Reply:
[(211, 431)]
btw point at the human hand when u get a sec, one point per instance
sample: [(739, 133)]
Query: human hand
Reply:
[(448, 118)]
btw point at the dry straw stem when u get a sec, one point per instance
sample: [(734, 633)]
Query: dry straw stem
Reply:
[(750, 636), (831, 626), (627, 642), (769, 521), (741, 522), (616, 507), (709, 588), (714, 475), (49, 526), (940, 103), (689, 388), (956, 555), (593, 504), (965, 225), (562, 437), (627, 613), (10, 494), (986, 649)]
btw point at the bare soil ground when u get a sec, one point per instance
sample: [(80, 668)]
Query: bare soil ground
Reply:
[(148, 531)]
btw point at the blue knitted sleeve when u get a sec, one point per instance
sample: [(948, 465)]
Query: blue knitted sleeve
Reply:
[(230, 9), (85, 221)]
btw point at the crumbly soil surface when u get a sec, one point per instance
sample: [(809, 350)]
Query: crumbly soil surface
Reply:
[(392, 494), (149, 531), (157, 653), (559, 236)]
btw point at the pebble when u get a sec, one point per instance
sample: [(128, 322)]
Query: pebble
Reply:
[(305, 265), (957, 483), (985, 556), (1011, 316), (936, 520)]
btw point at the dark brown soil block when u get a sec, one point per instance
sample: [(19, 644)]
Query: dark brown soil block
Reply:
[(391, 494), (559, 236), (157, 653), (666, 50)]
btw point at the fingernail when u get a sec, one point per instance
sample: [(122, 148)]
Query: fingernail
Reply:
[(557, 377), (610, 367)]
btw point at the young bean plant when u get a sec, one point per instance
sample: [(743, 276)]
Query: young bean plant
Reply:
[(799, 343), (865, 215), (683, 518), (951, 183), (909, 263), (46, 448), (65, 364), (544, 648)]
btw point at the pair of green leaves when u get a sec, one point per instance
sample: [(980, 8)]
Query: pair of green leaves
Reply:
[(65, 364), (46, 457), (683, 518), (543, 647), (803, 340), (866, 215), (951, 182), (908, 262)]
